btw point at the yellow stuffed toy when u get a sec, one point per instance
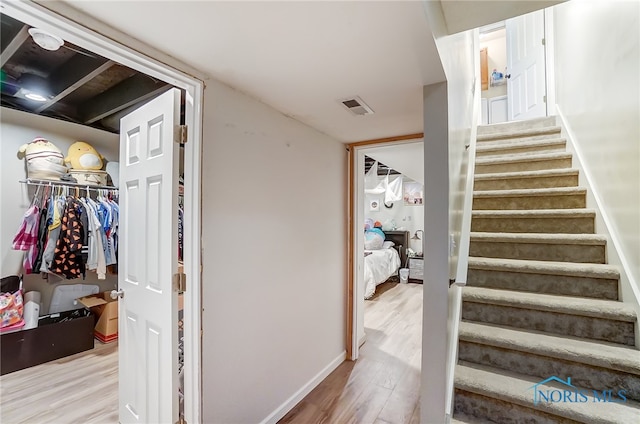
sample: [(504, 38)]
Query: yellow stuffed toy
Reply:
[(82, 155)]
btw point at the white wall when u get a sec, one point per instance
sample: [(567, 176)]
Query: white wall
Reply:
[(597, 74), (274, 257), (16, 129), (448, 122)]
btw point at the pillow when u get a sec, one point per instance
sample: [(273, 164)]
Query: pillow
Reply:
[(388, 244), (373, 240)]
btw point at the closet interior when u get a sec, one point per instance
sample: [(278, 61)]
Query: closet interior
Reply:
[(59, 240)]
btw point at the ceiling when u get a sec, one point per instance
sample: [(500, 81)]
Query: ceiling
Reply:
[(461, 15), (301, 58), (406, 158), (80, 86)]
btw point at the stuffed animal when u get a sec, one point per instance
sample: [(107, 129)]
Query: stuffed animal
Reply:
[(44, 159), (82, 155)]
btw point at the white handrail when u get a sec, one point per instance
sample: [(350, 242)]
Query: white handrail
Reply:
[(455, 291)]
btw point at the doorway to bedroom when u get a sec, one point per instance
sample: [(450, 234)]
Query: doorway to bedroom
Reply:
[(388, 215)]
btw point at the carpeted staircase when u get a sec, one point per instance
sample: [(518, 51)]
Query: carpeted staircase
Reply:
[(540, 300)]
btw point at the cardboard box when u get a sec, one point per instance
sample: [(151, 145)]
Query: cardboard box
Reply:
[(56, 336), (106, 311)]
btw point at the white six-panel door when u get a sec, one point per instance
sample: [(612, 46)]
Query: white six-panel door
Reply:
[(148, 342), (526, 64)]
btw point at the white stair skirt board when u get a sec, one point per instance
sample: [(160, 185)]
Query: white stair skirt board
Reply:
[(288, 405)]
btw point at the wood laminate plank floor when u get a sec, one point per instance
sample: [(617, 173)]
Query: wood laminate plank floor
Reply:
[(383, 385), (81, 388)]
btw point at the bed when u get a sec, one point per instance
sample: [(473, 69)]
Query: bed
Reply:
[(381, 264)]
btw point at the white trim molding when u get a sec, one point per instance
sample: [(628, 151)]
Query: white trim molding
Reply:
[(49, 17), (290, 403)]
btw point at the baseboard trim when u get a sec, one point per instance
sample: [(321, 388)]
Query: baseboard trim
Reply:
[(362, 340), (288, 405)]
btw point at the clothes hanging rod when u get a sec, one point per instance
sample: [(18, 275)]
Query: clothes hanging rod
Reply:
[(50, 183)]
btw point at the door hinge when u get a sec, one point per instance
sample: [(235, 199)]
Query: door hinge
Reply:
[(180, 135), (543, 42), (544, 99), (179, 282)]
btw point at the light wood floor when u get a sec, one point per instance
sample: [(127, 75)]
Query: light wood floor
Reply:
[(383, 385), (82, 388)]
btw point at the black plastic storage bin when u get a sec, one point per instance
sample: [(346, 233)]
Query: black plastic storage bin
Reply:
[(57, 335)]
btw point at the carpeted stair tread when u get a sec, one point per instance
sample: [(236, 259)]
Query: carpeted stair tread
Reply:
[(531, 192), (546, 267), (536, 213), (528, 132), (565, 221), (578, 306), (518, 389), (519, 179), (530, 199), (505, 127), (521, 158), (502, 145), (561, 247), (459, 418), (527, 174), (590, 352), (542, 238)]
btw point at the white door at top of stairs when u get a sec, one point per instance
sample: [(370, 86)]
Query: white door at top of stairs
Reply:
[(526, 83)]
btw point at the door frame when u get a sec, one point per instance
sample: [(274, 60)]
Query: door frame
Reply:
[(352, 343), (53, 20)]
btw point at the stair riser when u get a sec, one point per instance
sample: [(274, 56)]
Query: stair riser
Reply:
[(571, 325), (565, 201), (572, 225), (523, 183), (576, 253), (486, 409), (538, 165), (582, 375), (506, 139), (517, 126), (510, 150), (546, 284)]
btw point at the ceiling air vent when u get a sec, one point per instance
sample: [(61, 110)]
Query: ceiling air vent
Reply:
[(357, 106)]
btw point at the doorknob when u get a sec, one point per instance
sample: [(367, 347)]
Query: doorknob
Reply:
[(508, 76), (117, 294)]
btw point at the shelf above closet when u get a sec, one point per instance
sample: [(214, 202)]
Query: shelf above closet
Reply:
[(58, 183)]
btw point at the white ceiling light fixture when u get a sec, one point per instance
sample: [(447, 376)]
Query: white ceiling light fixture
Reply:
[(356, 106), (45, 40)]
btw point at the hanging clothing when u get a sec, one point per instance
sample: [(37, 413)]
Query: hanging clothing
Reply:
[(66, 235), (56, 209), (67, 260), (180, 233), (27, 237), (96, 257), (42, 237)]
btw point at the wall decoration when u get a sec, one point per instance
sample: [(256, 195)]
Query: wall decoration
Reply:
[(374, 205), (412, 193)]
